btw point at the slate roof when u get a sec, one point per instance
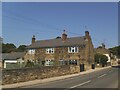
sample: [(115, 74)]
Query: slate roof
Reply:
[(12, 56), (73, 41)]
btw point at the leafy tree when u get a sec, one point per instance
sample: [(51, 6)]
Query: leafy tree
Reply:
[(21, 48), (101, 59), (7, 48), (58, 37), (115, 51)]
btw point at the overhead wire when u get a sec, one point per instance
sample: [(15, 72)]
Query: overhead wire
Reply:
[(24, 18)]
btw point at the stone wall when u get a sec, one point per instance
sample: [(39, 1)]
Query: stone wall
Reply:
[(89, 51), (28, 56), (62, 53), (28, 74)]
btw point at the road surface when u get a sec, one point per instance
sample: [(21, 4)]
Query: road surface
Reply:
[(106, 78)]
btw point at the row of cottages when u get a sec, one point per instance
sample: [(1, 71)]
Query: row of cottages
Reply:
[(62, 50)]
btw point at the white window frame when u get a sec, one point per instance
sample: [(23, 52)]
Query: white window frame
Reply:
[(31, 51), (72, 49), (73, 62), (47, 62), (50, 50)]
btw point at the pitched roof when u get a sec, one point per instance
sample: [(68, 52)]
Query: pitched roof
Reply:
[(12, 56), (102, 50), (58, 42)]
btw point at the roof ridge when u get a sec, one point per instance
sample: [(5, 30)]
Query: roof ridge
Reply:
[(60, 38), (58, 42)]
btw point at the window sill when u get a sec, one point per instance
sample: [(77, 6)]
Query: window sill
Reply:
[(73, 52)]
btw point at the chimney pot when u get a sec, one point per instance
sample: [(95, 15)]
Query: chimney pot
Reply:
[(64, 35), (33, 39), (87, 34)]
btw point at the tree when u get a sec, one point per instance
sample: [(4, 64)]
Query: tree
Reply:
[(7, 48), (21, 48), (101, 59), (58, 37), (115, 51)]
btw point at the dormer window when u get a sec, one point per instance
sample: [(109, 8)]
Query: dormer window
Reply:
[(73, 49), (31, 51), (50, 50)]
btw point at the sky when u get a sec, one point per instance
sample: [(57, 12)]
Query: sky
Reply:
[(0, 19), (22, 20)]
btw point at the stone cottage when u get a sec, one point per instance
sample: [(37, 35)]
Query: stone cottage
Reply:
[(62, 50)]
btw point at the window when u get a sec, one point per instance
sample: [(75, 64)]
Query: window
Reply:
[(31, 51), (72, 49), (49, 50), (63, 62), (72, 62), (49, 62)]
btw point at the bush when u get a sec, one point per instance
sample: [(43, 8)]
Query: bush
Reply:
[(101, 59), (29, 64)]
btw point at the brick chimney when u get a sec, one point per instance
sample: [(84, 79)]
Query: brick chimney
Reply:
[(87, 35), (33, 39), (64, 36)]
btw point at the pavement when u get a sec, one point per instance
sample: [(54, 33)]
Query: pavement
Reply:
[(52, 79)]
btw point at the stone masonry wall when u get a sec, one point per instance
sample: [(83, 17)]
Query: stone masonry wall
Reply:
[(89, 51), (60, 53), (28, 74)]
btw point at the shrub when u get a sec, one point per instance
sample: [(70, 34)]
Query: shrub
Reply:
[(101, 59), (29, 64)]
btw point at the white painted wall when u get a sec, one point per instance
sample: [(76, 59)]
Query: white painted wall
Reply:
[(108, 57), (9, 61), (13, 61)]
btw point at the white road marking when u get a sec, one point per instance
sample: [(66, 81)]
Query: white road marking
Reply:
[(102, 75), (80, 84)]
